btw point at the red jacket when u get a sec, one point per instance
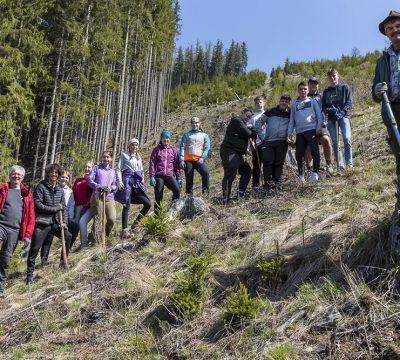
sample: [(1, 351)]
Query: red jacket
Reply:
[(28, 217), (82, 192)]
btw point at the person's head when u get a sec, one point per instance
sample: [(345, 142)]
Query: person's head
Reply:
[(333, 76), (16, 174), (64, 178), (133, 145), (246, 114), (390, 27), (313, 85), (165, 138), (302, 89), (195, 122), (106, 158), (87, 169), (53, 172), (284, 102), (259, 103)]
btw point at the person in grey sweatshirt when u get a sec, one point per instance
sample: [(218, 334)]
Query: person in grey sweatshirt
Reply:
[(306, 117)]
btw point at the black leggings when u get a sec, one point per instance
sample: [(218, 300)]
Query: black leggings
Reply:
[(137, 197), (190, 167), (39, 236), (302, 140), (171, 183)]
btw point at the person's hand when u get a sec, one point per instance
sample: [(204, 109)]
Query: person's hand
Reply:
[(318, 131), (120, 185), (65, 226), (380, 89), (331, 110), (152, 181), (289, 140), (105, 189), (250, 126), (339, 115), (182, 164), (60, 207), (26, 243), (200, 161), (180, 183)]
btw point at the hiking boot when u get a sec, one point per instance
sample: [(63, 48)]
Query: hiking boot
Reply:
[(44, 262), (82, 247), (302, 180), (329, 169), (242, 194), (125, 233), (314, 178)]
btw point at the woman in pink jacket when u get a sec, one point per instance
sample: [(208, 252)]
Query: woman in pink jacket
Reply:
[(164, 170)]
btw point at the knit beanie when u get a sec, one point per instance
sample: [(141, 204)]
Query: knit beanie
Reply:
[(133, 141), (165, 133)]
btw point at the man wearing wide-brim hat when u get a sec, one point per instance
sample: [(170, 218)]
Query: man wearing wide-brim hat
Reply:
[(387, 78)]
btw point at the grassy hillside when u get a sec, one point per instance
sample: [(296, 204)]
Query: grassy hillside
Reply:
[(305, 273)]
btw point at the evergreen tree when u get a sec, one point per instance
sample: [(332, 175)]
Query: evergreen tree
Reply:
[(217, 61)]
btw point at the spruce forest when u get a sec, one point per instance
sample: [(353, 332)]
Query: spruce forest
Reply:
[(78, 77)]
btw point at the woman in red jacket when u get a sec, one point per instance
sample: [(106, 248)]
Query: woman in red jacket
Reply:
[(164, 170)]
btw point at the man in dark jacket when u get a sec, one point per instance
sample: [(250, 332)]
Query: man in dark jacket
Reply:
[(17, 218), (49, 200), (387, 78), (233, 151), (337, 103)]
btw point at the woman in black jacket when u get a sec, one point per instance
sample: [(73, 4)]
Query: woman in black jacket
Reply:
[(49, 200)]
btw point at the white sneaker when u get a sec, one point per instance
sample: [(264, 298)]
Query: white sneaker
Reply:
[(329, 169), (302, 180), (314, 178)]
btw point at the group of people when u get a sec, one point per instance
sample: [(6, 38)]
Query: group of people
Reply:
[(269, 133), (54, 209)]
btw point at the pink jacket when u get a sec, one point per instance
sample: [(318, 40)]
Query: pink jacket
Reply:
[(164, 162)]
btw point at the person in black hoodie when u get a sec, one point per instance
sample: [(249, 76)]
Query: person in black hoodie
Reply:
[(233, 150), (49, 200)]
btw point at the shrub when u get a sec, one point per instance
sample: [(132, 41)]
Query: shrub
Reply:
[(158, 224), (239, 307), (191, 287), (281, 352), (271, 270)]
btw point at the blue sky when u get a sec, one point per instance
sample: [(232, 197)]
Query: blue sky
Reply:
[(275, 30)]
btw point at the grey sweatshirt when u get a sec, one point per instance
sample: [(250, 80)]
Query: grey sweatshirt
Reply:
[(305, 115)]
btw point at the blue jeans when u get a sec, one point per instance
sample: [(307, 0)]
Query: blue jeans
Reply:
[(344, 125)]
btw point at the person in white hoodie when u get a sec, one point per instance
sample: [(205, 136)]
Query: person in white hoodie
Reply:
[(306, 117)]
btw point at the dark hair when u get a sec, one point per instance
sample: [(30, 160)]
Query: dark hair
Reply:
[(257, 98), (332, 71), (51, 167), (286, 97), (245, 110), (302, 83), (109, 152)]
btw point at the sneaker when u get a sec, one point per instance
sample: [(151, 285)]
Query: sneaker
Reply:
[(2, 293), (329, 169), (44, 262), (241, 194), (28, 280), (82, 247), (314, 178), (302, 180)]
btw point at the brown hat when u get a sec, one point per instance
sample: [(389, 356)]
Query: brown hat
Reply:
[(392, 15)]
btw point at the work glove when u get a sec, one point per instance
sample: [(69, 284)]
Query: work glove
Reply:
[(180, 183), (105, 189), (26, 243), (60, 207), (339, 115), (182, 164), (200, 161), (289, 140), (331, 110), (152, 181), (380, 89)]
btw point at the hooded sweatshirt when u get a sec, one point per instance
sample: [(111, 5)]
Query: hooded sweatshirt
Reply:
[(305, 115)]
